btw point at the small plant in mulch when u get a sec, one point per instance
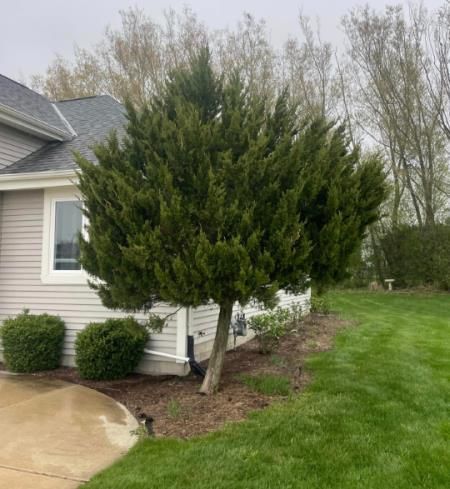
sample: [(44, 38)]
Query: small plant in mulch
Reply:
[(311, 345), (174, 409), (296, 315), (269, 327), (267, 384), (277, 360)]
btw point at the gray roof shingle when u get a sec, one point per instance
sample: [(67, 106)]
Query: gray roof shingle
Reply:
[(92, 118), (28, 102)]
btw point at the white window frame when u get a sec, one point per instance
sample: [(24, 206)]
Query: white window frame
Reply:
[(48, 274)]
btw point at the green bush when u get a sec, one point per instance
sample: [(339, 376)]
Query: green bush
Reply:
[(269, 328), (320, 304), (110, 350), (418, 256), (32, 342)]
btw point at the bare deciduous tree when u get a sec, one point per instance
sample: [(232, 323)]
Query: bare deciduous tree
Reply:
[(130, 62), (390, 62), (308, 69), (247, 50)]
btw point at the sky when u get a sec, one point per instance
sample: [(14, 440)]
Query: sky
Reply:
[(32, 32)]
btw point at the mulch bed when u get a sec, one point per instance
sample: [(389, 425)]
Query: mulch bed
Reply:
[(177, 408)]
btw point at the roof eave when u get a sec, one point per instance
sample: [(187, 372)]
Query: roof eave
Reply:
[(31, 125), (37, 180)]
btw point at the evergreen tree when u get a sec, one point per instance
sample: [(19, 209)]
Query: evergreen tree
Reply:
[(213, 195)]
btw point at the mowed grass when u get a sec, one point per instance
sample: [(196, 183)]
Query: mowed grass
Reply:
[(270, 385), (375, 416)]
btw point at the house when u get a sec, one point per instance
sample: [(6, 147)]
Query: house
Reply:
[(40, 220)]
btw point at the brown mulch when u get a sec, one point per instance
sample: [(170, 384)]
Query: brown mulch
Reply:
[(177, 408)]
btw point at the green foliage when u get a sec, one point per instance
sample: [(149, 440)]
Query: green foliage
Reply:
[(110, 350), (269, 327), (269, 385), (32, 342), (341, 197), (215, 195), (320, 304), (155, 323), (418, 256)]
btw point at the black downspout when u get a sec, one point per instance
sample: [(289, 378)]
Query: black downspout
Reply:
[(196, 368)]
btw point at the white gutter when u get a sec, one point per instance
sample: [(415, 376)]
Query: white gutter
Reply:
[(35, 180), (31, 125), (166, 355)]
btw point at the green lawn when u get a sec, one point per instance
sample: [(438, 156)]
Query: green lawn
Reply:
[(375, 416)]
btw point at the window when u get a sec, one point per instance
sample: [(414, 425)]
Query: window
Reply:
[(66, 249), (63, 223)]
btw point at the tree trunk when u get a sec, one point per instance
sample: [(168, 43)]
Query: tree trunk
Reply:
[(376, 256), (412, 193), (211, 381), (396, 203), (429, 209)]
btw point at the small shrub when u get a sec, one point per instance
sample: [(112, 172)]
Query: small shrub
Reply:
[(296, 314), (320, 304), (32, 342), (110, 350), (269, 328), (270, 385)]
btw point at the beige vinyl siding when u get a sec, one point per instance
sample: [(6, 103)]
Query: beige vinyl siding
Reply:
[(204, 319), (21, 228), (15, 145)]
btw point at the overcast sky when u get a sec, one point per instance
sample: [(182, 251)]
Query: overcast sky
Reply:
[(33, 31)]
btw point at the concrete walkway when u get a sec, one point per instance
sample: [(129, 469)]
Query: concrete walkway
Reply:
[(56, 435)]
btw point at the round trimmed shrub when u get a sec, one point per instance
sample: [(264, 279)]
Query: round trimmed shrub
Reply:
[(110, 350), (32, 342)]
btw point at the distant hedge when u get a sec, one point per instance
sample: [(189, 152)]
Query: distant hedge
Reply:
[(418, 256), (110, 350), (32, 342)]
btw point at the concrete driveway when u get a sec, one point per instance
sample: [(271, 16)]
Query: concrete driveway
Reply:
[(56, 435)]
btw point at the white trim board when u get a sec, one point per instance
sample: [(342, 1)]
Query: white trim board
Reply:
[(35, 180)]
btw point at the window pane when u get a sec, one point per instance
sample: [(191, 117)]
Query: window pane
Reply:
[(67, 229)]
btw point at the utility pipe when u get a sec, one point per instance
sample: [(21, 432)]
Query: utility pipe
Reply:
[(166, 355)]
